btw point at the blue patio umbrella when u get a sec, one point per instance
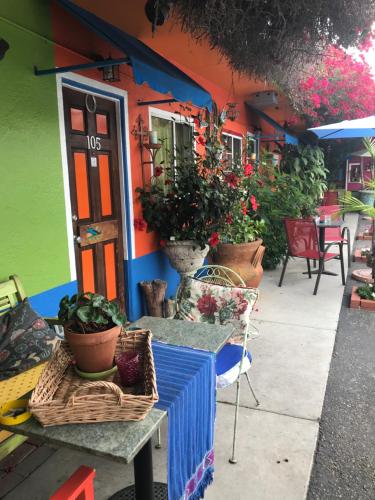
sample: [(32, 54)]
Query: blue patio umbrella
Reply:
[(362, 127)]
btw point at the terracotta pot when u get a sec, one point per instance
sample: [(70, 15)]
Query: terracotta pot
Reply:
[(185, 256), (243, 258), (93, 352)]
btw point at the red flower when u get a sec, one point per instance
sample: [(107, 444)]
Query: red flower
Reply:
[(207, 305), (201, 140), (229, 219), (243, 208), (140, 224), (214, 240), (248, 169), (158, 171), (197, 122), (254, 203), (232, 180)]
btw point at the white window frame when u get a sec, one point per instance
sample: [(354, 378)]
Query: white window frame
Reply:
[(172, 117), (255, 139), (229, 155)]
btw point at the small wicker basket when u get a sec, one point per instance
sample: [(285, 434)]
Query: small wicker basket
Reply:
[(62, 397)]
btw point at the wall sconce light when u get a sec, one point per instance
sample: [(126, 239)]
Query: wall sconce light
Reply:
[(232, 112), (4, 46), (111, 73)]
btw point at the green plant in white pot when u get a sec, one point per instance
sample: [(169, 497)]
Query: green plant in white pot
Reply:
[(367, 195), (92, 325)]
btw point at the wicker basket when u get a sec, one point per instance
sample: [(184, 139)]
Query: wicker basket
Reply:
[(62, 397)]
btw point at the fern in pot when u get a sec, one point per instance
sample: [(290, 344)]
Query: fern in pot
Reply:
[(92, 325)]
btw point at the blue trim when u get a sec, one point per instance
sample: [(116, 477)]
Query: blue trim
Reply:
[(148, 66), (124, 147), (47, 303), (288, 136)]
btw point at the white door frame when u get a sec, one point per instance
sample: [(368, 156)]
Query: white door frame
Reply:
[(120, 98)]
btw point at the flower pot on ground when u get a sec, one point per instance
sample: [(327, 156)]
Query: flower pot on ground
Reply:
[(92, 325), (185, 256), (243, 258), (240, 247)]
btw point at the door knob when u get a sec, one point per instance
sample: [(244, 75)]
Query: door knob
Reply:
[(74, 218), (77, 239)]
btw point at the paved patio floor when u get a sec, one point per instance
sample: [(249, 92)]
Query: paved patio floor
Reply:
[(277, 440)]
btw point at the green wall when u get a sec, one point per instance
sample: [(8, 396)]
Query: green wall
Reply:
[(33, 239)]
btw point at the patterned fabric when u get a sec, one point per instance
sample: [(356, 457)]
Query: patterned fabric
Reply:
[(25, 340), (216, 304)]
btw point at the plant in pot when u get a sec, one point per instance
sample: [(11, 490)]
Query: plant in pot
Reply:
[(367, 195), (239, 244), (92, 325), (352, 204), (189, 207)]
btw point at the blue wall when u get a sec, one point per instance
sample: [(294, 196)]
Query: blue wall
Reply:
[(147, 268)]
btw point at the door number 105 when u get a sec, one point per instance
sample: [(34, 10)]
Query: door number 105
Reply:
[(93, 142)]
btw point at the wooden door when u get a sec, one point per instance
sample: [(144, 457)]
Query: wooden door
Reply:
[(94, 176)]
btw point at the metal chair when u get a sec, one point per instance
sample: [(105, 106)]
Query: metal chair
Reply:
[(232, 356), (330, 198), (303, 242), (334, 234)]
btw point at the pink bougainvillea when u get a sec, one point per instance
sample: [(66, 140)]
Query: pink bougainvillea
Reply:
[(343, 88)]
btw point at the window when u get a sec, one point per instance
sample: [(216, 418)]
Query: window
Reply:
[(233, 147), (175, 134), (252, 147)]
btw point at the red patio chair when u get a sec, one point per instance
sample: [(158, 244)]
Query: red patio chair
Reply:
[(330, 198), (333, 233), (303, 242), (80, 486)]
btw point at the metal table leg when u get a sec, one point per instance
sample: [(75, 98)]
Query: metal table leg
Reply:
[(144, 487)]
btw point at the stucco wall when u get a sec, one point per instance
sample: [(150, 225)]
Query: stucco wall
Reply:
[(32, 211)]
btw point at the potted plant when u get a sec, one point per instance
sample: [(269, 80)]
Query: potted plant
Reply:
[(186, 203), (92, 325), (239, 244), (367, 195)]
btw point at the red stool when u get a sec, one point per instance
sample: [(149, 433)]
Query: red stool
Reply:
[(80, 486)]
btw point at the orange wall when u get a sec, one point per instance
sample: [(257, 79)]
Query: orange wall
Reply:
[(69, 33)]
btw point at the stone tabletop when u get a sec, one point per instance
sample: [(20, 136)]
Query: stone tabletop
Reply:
[(119, 441), (186, 333)]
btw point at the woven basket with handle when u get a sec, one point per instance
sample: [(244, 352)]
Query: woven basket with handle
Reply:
[(62, 397)]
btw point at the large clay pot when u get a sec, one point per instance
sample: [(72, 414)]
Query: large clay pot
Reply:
[(93, 352), (185, 256), (243, 258)]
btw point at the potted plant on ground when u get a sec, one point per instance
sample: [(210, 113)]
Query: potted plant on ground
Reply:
[(239, 244), (92, 325), (367, 195)]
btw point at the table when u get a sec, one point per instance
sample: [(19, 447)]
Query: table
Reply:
[(322, 226), (127, 441)]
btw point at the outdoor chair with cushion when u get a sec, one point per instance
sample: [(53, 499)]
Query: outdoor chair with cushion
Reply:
[(216, 294), (23, 331), (334, 234), (303, 242)]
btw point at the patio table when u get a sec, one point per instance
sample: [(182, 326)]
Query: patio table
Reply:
[(322, 226), (127, 441)]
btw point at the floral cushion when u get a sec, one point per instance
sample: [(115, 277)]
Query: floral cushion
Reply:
[(216, 304), (25, 340)]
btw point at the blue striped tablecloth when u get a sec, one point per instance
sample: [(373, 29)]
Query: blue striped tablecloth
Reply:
[(186, 384)]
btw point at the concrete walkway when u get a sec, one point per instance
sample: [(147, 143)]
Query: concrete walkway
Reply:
[(277, 440)]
